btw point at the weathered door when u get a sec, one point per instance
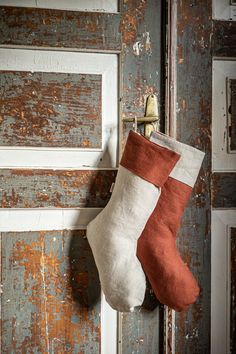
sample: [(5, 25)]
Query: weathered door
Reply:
[(69, 73), (202, 73), (223, 184)]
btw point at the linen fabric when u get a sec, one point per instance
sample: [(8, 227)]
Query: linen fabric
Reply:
[(113, 234), (172, 282)]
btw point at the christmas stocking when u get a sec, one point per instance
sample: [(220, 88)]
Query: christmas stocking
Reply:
[(113, 234), (171, 280)]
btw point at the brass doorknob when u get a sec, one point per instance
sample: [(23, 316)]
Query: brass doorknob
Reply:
[(151, 116)]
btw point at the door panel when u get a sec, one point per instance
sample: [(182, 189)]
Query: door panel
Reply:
[(223, 190), (142, 332), (190, 93), (84, 141), (142, 73), (224, 159), (223, 281), (99, 67), (60, 29), (51, 293), (82, 5), (223, 184), (51, 109), (24, 188), (232, 289)]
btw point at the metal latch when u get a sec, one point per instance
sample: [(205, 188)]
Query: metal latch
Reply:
[(151, 118)]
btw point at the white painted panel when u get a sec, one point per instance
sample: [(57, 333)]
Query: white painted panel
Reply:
[(222, 10), (222, 158), (76, 5), (46, 219), (68, 62), (109, 320), (222, 220)]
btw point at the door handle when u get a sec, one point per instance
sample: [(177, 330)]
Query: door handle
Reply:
[(151, 118)]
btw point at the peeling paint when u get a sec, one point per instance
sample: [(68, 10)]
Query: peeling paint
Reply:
[(50, 109), (25, 188), (137, 47), (233, 290), (147, 43), (59, 29), (52, 316), (193, 126), (223, 187)]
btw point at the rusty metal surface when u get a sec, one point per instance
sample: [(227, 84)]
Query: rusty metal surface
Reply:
[(233, 292), (59, 29), (223, 190), (224, 39), (141, 75), (233, 115), (51, 293), (24, 188), (50, 109), (193, 126)]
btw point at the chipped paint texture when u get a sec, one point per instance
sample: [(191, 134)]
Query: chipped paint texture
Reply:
[(57, 28), (50, 109), (141, 332), (223, 190), (51, 293), (141, 76), (141, 31), (233, 292), (224, 39), (233, 115), (193, 122), (56, 327), (55, 188)]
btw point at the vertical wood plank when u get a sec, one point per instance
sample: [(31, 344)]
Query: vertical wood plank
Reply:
[(233, 115), (141, 332), (233, 291), (141, 59), (193, 126), (51, 293), (141, 56)]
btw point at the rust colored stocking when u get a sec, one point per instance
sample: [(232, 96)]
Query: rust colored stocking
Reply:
[(171, 279)]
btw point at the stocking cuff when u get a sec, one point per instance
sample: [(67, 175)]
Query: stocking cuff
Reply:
[(187, 168), (148, 160)]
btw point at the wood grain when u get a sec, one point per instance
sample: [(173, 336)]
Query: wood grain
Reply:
[(193, 73), (50, 109), (59, 29), (51, 293), (224, 39), (55, 188), (142, 74), (233, 115), (223, 190), (233, 291)]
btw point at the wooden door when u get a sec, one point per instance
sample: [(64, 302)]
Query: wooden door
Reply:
[(223, 184), (69, 73), (202, 72)]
